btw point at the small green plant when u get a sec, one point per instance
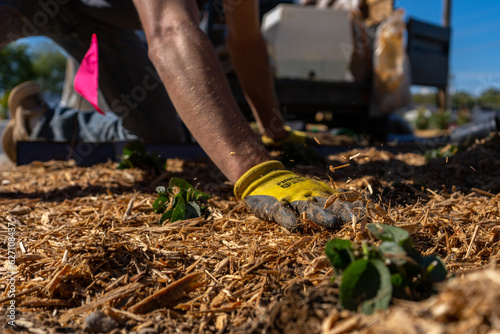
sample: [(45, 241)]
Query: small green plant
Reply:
[(373, 275), (440, 120), (442, 152), (421, 121), (180, 201), (464, 117), (135, 156)]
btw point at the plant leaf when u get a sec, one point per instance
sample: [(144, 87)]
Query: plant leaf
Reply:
[(340, 254), (366, 284), (182, 184), (166, 215), (400, 286), (394, 252), (200, 196), (397, 280), (180, 197), (384, 294), (134, 147), (435, 267), (390, 233), (179, 210), (192, 210), (159, 204)]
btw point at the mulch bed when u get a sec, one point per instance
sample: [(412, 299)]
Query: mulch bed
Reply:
[(92, 257)]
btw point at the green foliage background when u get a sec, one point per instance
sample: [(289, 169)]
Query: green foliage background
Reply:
[(462, 103), (18, 63), (488, 99)]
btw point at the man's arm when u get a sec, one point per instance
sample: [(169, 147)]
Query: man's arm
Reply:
[(249, 56), (188, 66), (195, 81)]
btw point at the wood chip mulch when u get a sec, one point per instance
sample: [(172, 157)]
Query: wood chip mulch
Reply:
[(91, 256)]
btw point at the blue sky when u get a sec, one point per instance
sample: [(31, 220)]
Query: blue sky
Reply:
[(475, 46)]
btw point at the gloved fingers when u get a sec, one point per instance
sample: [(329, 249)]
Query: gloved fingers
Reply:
[(349, 211), (288, 215), (315, 213), (268, 208), (333, 217)]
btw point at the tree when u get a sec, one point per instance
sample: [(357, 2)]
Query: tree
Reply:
[(490, 99), (424, 99), (462, 100), (46, 64), (15, 68), (49, 65)]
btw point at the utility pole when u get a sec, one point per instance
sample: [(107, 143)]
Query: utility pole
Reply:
[(446, 13), (443, 91)]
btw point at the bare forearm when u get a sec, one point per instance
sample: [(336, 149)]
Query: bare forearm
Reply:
[(250, 59), (196, 83), (254, 73)]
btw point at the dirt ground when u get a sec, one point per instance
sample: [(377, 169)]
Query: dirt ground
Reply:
[(91, 256)]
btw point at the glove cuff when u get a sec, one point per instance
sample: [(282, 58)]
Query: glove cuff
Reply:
[(292, 137), (295, 136), (254, 174)]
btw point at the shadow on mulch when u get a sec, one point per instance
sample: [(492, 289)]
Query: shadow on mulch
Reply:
[(395, 179), (301, 310), (59, 195), (57, 181), (405, 178)]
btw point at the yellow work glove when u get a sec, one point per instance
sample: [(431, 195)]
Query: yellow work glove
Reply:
[(274, 194), (292, 137)]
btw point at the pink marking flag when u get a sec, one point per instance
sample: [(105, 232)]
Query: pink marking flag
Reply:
[(87, 78)]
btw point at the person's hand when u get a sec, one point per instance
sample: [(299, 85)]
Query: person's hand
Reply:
[(274, 194), (292, 137)]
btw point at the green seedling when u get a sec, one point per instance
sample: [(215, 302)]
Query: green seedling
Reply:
[(440, 120), (372, 275), (180, 201), (135, 156), (442, 152)]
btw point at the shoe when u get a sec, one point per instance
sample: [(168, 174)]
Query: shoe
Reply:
[(26, 106)]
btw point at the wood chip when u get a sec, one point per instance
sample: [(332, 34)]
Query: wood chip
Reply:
[(170, 295), (112, 295), (482, 192), (334, 168), (85, 242), (52, 286)]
